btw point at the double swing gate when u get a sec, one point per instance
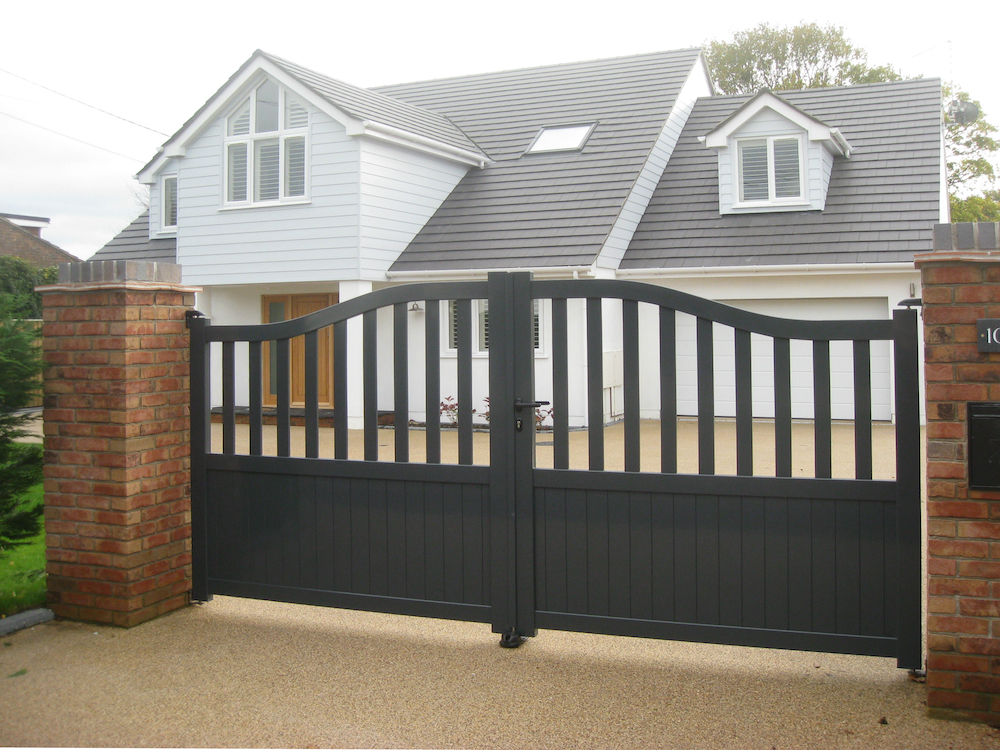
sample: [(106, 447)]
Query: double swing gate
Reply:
[(815, 563)]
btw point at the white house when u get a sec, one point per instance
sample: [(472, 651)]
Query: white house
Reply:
[(289, 191)]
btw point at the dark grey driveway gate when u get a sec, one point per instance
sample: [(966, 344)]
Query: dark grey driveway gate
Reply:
[(815, 563)]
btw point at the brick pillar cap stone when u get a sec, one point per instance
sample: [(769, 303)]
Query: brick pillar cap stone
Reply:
[(119, 271)]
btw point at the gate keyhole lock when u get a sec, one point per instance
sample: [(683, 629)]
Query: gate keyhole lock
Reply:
[(519, 425)]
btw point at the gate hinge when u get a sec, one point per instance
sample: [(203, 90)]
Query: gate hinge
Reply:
[(189, 315)]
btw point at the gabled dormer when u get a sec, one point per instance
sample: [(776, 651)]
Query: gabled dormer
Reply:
[(774, 157)]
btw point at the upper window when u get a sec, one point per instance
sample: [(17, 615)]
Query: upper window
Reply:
[(168, 215), (569, 138), (770, 170), (266, 147)]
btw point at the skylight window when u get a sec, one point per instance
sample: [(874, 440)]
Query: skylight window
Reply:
[(568, 138)]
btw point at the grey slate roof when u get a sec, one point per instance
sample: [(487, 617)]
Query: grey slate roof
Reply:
[(553, 209), (133, 243), (881, 205)]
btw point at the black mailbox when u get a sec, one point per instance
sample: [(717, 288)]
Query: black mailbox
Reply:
[(984, 446)]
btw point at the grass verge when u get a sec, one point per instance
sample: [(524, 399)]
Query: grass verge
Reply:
[(22, 571)]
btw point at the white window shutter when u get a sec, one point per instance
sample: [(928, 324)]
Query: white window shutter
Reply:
[(237, 176), (753, 170), (266, 170), (787, 182)]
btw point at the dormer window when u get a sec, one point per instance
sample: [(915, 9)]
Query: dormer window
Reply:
[(266, 147), (564, 138), (770, 170)]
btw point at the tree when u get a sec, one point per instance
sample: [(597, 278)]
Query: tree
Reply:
[(18, 280), (20, 464), (806, 56), (985, 207), (969, 146)]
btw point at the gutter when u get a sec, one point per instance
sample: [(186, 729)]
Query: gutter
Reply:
[(776, 270), (575, 272), (479, 159)]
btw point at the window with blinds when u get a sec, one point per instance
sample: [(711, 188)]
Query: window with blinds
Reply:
[(266, 143), (481, 314), (770, 169), (169, 213)]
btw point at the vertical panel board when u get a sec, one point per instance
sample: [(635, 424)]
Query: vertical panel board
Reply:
[(475, 544), (595, 385), (325, 559), (560, 386), (848, 566), (257, 530), (706, 397), (597, 553), (776, 566), (890, 517), (256, 382), (308, 526), (662, 553), (708, 559), (824, 560), (872, 590), (686, 558), (434, 529), (641, 555), (432, 378), (416, 563), (555, 551), (343, 532), (668, 391), (800, 587), (378, 537), (340, 435), (577, 581), (370, 386), (454, 565), (619, 555), (541, 557), (398, 554), (216, 544), (360, 542), (274, 498), (288, 533), (730, 561), (754, 567)]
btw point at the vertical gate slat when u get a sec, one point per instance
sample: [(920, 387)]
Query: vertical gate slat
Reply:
[(824, 566), (370, 372), (782, 408), (730, 561), (401, 383), (668, 391), (229, 397), (822, 419), (630, 357), (848, 566), (662, 556), (560, 386), (707, 557), (414, 509), (685, 562), (744, 405), (706, 397), (872, 561), (862, 410), (595, 385), (312, 393), (753, 519), (283, 386), (619, 555), (256, 383), (432, 369), (378, 537), (776, 563), (465, 407), (800, 566), (598, 563), (641, 555), (340, 435), (397, 552)]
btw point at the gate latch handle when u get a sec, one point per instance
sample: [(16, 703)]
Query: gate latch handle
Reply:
[(519, 404)]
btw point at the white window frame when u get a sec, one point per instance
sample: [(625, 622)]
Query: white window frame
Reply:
[(282, 135), (799, 200), (447, 323), (164, 226)]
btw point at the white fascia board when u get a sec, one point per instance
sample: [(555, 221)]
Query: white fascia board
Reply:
[(235, 91), (817, 130), (574, 272), (776, 270), (399, 137)]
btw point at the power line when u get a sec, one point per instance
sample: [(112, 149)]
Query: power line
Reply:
[(66, 96), (85, 143)]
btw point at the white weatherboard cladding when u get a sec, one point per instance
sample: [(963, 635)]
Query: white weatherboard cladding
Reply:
[(818, 163), (317, 239), (635, 205), (400, 189)]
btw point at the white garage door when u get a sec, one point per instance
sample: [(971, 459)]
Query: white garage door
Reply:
[(841, 361)]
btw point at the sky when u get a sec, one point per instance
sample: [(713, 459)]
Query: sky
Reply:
[(155, 64)]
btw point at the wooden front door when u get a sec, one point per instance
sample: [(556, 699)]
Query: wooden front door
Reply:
[(278, 307)]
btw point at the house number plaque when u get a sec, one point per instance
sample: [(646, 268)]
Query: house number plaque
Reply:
[(989, 334)]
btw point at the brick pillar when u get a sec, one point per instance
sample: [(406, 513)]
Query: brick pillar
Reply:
[(117, 467), (960, 286)]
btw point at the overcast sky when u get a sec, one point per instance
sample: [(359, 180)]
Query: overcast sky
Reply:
[(156, 63)]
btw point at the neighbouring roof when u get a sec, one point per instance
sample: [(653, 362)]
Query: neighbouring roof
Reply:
[(881, 205), (133, 243), (546, 209), (21, 243)]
